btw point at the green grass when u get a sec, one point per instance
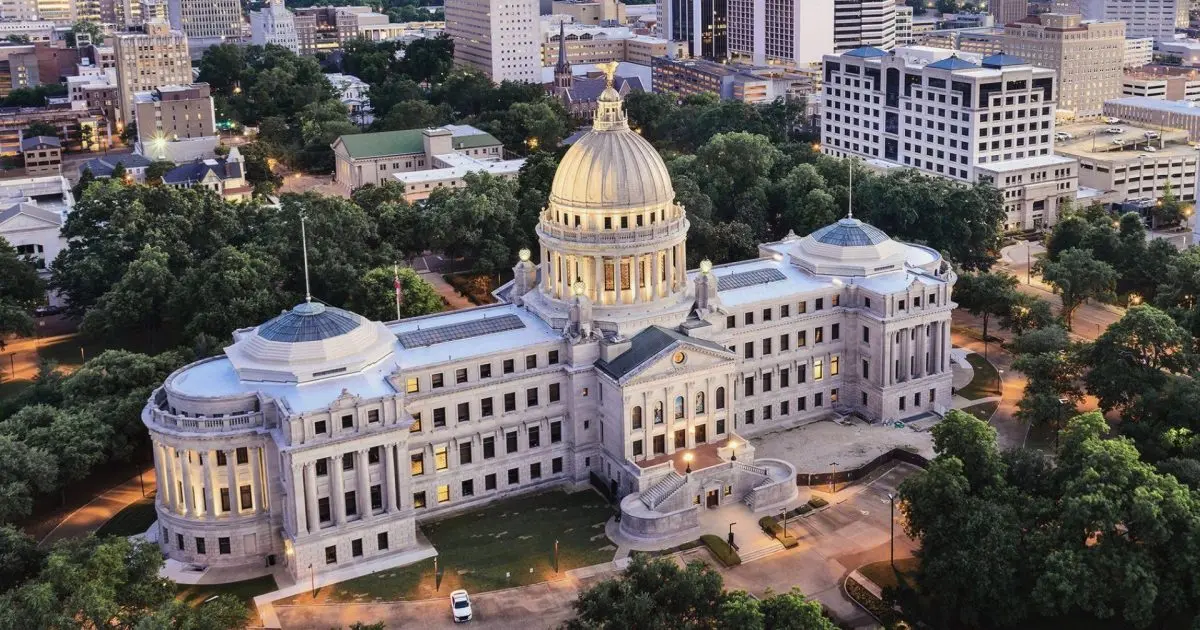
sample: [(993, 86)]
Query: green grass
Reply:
[(246, 590), (136, 518), (986, 381), (477, 549), (983, 411), (882, 573), (66, 352)]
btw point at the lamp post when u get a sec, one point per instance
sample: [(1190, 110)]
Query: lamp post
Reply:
[(892, 539), (733, 446), (556, 555), (687, 459), (731, 533), (313, 574), (833, 466)]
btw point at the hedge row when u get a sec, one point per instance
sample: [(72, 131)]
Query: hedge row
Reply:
[(721, 550)]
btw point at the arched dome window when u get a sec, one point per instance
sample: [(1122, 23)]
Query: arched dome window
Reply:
[(720, 398), (637, 417)]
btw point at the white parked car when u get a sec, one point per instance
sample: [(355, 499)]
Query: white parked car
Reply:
[(1114, 130), (1111, 120), (460, 606), (1152, 149), (1119, 142), (1151, 134), (1062, 135)]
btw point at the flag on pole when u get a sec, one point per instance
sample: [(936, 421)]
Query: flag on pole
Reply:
[(396, 284)]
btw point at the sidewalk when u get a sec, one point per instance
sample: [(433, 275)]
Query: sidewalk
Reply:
[(88, 518)]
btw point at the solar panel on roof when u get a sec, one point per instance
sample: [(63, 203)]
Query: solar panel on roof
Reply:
[(749, 278), (464, 330)]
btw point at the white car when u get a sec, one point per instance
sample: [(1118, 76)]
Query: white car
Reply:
[(460, 606), (1111, 120), (1151, 134), (1114, 130), (1062, 135), (1119, 142), (1152, 149)]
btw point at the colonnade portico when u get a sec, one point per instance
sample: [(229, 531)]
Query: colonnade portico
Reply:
[(905, 353), (179, 481), (305, 482), (640, 276)]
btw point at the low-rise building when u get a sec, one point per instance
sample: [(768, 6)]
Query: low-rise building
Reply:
[(354, 93), (372, 158), (135, 166), (1163, 82), (600, 44), (32, 212), (176, 122), (69, 119), (43, 155), (1137, 163), (1155, 112), (750, 84), (1188, 51), (225, 176)]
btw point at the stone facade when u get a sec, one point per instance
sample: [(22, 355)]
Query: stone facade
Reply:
[(321, 439)]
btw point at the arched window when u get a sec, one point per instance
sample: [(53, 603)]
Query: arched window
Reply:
[(679, 407), (658, 412), (720, 398), (637, 417), (700, 402)]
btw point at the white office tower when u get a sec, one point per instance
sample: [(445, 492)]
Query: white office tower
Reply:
[(904, 25), (955, 115), (498, 37), (1142, 18), (859, 23), (796, 32), (212, 20), (274, 24), (19, 10)]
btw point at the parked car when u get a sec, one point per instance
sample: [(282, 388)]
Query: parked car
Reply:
[(1111, 120), (1062, 135), (460, 606), (1114, 130), (1151, 134), (1119, 142), (1152, 149)]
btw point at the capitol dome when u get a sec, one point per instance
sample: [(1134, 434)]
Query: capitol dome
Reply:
[(309, 342)]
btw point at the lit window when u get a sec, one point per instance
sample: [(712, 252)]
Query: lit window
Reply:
[(412, 385), (440, 459), (443, 494), (818, 372)]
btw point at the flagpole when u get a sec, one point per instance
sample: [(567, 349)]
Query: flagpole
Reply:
[(396, 285)]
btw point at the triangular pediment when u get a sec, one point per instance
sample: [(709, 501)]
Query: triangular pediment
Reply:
[(659, 351), (666, 366)]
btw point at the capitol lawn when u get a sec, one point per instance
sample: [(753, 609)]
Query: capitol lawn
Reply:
[(509, 543)]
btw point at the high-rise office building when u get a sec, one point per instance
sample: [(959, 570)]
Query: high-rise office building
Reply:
[(1006, 11), (1087, 56), (790, 31), (1142, 18), (274, 24), (864, 23), (149, 60), (206, 19), (501, 38), (703, 24)]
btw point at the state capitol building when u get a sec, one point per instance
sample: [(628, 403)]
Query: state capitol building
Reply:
[(321, 438)]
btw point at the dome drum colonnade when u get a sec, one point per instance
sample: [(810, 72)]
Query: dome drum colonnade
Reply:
[(612, 194)]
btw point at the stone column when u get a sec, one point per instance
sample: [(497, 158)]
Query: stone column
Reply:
[(389, 473), (210, 483), (656, 274), (337, 493), (619, 297), (681, 265), (545, 263), (635, 272), (598, 289), (231, 467), (257, 492), (159, 475), (189, 493), (670, 282), (171, 482), (310, 496), (363, 476)]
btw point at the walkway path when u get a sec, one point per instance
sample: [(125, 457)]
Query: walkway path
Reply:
[(455, 299), (1011, 431), (90, 517)]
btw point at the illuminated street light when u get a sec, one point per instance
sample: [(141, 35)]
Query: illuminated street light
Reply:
[(687, 458), (733, 447)]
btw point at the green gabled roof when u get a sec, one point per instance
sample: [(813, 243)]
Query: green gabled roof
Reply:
[(407, 141), (367, 145)]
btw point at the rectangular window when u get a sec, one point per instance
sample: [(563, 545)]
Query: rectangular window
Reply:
[(801, 339), (439, 417), (514, 476), (721, 426), (464, 452), (556, 432), (468, 487), (351, 499), (785, 342), (437, 380), (556, 465), (510, 402), (730, 321), (416, 425), (443, 494), (748, 350), (660, 444), (834, 365), (749, 319), (553, 394), (552, 357), (347, 423), (784, 310), (637, 448), (833, 396), (489, 482), (835, 300), (783, 407), (817, 401), (376, 497), (243, 455), (866, 369), (510, 442), (749, 416), (535, 437), (801, 308), (784, 377), (381, 541), (460, 375), (485, 370), (489, 447), (866, 337), (347, 461), (509, 366), (767, 412), (766, 315), (749, 386), (441, 458), (418, 464), (322, 466), (916, 399), (319, 427), (223, 545), (245, 497), (485, 407), (766, 380), (323, 509), (819, 334), (464, 412), (331, 554), (373, 416), (766, 343), (818, 369), (530, 361), (412, 385), (801, 373), (418, 500), (200, 546), (835, 332), (535, 471), (531, 397), (820, 305)]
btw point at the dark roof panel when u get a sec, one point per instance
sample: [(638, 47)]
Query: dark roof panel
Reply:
[(850, 232), (309, 321), (648, 343)]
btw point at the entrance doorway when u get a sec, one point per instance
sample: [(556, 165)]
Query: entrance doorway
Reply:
[(713, 499)]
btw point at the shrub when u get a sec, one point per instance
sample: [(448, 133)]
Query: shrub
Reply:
[(817, 502), (789, 541), (769, 525), (721, 550)]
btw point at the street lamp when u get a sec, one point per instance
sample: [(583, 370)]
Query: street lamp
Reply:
[(733, 447), (687, 459), (833, 466), (731, 533), (892, 541), (313, 574)]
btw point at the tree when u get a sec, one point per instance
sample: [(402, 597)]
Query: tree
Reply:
[(918, 7), (19, 557), (428, 60), (1168, 210), (1077, 276), (232, 289), (24, 472), (138, 301), (119, 173), (376, 298), (384, 96), (413, 114), (87, 134), (88, 27), (21, 289), (77, 439), (478, 222), (1136, 355), (1027, 313), (40, 128), (985, 294), (156, 171), (223, 67), (528, 126)]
